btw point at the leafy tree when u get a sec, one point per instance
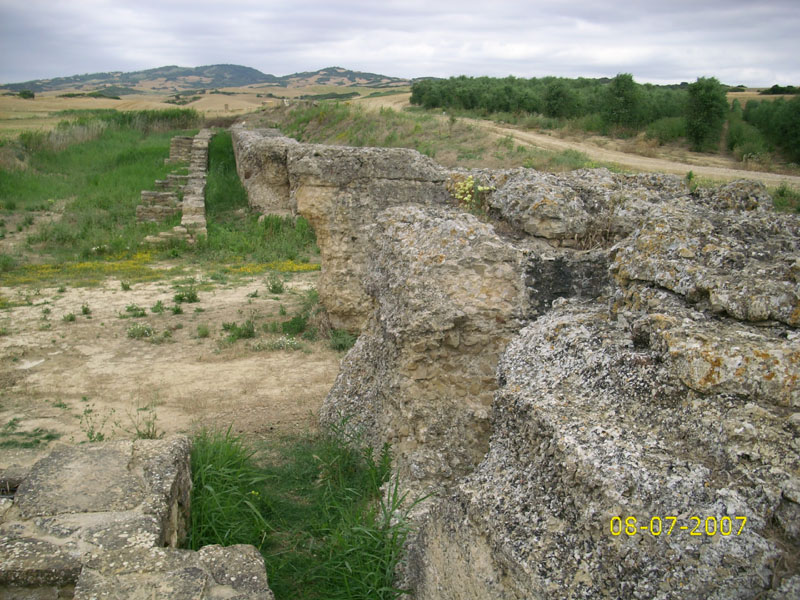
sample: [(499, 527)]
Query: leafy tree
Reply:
[(705, 112), (27, 94), (623, 104), (559, 100)]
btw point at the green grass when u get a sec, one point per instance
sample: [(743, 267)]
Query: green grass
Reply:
[(99, 183), (233, 232), (785, 198), (341, 340), (314, 510), (247, 330), (227, 502)]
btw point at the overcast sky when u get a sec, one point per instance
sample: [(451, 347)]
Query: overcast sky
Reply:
[(754, 42)]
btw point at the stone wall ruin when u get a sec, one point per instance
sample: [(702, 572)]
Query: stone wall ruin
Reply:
[(180, 194), (603, 345)]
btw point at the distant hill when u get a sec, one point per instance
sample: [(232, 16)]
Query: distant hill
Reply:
[(174, 78)]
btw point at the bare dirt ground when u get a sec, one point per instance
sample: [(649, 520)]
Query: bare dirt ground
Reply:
[(53, 371), (621, 152)]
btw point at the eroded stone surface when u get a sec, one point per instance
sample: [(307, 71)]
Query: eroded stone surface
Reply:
[(213, 572), (657, 375), (94, 497), (449, 296), (341, 191), (590, 423), (262, 168)]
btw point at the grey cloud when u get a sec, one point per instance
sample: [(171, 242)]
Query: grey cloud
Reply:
[(747, 42)]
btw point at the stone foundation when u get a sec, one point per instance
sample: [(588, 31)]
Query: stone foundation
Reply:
[(105, 520)]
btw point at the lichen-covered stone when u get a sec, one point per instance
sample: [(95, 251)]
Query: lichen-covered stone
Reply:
[(213, 572), (94, 498), (742, 263), (583, 209), (592, 423), (261, 165)]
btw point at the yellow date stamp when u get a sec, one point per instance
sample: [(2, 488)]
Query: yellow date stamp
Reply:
[(671, 525)]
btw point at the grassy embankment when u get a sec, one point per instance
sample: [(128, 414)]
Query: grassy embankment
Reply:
[(73, 208), (452, 142), (457, 143)]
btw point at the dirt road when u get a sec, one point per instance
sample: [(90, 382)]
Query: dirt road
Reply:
[(702, 165)]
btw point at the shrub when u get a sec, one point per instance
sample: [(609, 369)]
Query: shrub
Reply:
[(275, 284), (7, 262), (138, 331), (237, 332), (295, 326), (667, 129), (27, 95), (186, 294)]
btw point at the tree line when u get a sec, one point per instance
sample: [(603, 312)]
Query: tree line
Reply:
[(696, 111)]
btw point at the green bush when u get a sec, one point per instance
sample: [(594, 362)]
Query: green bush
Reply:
[(295, 326), (237, 332), (667, 129), (27, 95), (186, 294)]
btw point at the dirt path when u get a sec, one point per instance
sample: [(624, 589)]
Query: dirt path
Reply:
[(53, 371), (711, 167)]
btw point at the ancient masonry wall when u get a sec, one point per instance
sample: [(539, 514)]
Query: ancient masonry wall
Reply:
[(180, 194), (603, 356)]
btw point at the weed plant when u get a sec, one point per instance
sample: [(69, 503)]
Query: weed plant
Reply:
[(138, 331), (12, 437), (238, 332), (186, 294), (341, 340)]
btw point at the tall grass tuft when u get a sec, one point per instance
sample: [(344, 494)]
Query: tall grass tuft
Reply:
[(315, 510), (227, 502)]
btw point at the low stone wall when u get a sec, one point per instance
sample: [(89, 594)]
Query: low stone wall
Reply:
[(180, 194), (105, 520), (180, 149)]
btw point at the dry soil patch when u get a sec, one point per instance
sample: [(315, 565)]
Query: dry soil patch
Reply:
[(52, 371)]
